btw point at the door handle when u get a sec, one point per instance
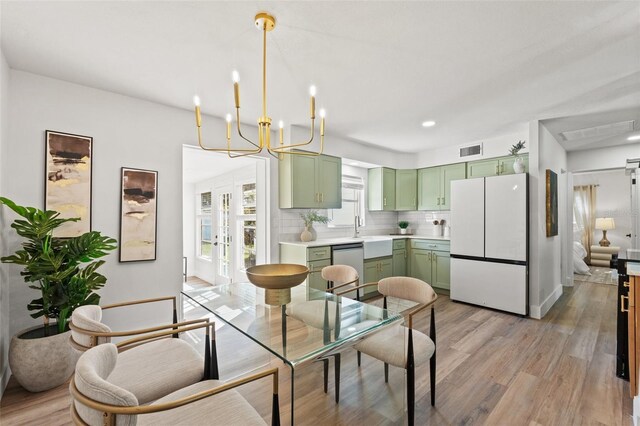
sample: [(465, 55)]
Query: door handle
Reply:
[(497, 169), (443, 201), (322, 197), (622, 309), (429, 256), (628, 235), (502, 168), (384, 201), (438, 201)]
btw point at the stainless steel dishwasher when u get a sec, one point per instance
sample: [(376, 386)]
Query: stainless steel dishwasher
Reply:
[(352, 255)]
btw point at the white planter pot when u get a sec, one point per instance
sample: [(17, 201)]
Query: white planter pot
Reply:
[(403, 230), (518, 165), (42, 363)]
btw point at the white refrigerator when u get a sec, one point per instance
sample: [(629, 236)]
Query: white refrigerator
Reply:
[(490, 242)]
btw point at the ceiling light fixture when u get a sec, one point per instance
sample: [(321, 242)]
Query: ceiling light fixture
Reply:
[(429, 123), (634, 138), (264, 22)]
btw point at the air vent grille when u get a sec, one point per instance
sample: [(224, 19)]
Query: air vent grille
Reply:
[(470, 150), (604, 131)]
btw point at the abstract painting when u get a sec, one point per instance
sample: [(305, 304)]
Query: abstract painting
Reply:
[(138, 217), (68, 180), (552, 203)]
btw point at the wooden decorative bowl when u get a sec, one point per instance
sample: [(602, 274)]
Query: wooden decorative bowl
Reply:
[(277, 279)]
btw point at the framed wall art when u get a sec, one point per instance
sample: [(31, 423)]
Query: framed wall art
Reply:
[(138, 214), (552, 203), (68, 174)]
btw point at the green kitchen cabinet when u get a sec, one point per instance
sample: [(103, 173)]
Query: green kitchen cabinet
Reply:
[(314, 279), (310, 181), (420, 265), (434, 186), (400, 263), (375, 270), (381, 192), (406, 189), (495, 166), (430, 262)]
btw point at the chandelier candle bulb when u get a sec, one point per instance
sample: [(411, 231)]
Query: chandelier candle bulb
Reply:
[(236, 93), (228, 127), (322, 114)]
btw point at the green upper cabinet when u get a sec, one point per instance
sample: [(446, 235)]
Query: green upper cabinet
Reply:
[(495, 166), (448, 174), (429, 188), (406, 189), (307, 181), (434, 186), (382, 189)]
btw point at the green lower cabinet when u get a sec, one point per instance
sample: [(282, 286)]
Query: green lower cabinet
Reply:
[(420, 265), (441, 269), (374, 271), (432, 267), (400, 263), (315, 280)]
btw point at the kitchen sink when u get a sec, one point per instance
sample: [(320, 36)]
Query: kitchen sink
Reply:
[(377, 247)]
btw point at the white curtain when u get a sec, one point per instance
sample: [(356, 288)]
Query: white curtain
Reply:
[(584, 212)]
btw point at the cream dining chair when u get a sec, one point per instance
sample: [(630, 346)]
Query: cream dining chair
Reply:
[(325, 315), (403, 346), (98, 400), (145, 372)]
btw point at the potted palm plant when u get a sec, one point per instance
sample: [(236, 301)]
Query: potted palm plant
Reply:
[(63, 270)]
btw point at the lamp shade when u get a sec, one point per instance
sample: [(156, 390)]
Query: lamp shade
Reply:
[(605, 223)]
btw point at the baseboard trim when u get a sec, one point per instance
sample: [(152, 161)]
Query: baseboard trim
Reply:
[(539, 311), (4, 380)]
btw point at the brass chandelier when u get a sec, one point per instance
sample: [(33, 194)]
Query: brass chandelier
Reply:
[(264, 22)]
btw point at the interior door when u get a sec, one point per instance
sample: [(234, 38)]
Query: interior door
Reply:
[(223, 238)]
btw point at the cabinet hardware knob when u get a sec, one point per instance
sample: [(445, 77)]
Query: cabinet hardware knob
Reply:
[(322, 197), (384, 201), (443, 201), (622, 309)]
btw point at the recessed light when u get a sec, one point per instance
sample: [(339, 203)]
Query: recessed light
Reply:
[(634, 138), (428, 123)]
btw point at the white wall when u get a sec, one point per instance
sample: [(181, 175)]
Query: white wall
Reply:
[(545, 257), (127, 132), (5, 335), (189, 226), (613, 199), (613, 157)]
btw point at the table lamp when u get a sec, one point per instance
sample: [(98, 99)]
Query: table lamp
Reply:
[(605, 224)]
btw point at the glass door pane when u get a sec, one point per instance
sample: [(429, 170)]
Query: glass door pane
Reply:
[(223, 236)]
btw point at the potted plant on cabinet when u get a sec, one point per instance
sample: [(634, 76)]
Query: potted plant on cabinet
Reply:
[(63, 270), (518, 165), (403, 225), (309, 234)]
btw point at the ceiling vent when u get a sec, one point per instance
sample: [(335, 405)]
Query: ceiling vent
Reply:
[(604, 131), (471, 150)]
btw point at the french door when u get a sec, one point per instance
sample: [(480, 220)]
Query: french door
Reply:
[(223, 242)]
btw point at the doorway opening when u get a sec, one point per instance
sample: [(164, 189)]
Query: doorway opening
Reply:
[(225, 216)]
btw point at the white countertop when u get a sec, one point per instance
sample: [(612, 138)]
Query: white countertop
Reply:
[(349, 240), (633, 269)]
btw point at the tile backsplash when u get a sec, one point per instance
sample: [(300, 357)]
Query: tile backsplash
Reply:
[(421, 222), (376, 223)]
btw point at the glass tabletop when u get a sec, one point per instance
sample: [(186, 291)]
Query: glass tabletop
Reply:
[(313, 325)]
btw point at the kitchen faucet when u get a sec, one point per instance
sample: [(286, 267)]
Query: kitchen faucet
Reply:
[(356, 224)]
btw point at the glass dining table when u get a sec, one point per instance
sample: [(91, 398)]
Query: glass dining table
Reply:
[(313, 326)]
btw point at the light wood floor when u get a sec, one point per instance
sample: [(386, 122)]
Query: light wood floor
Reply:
[(493, 368)]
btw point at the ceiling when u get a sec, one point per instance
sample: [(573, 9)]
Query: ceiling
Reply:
[(479, 69), (557, 126)]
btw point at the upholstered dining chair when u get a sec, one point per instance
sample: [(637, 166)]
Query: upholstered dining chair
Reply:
[(325, 315), (143, 372), (99, 400), (404, 346)]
